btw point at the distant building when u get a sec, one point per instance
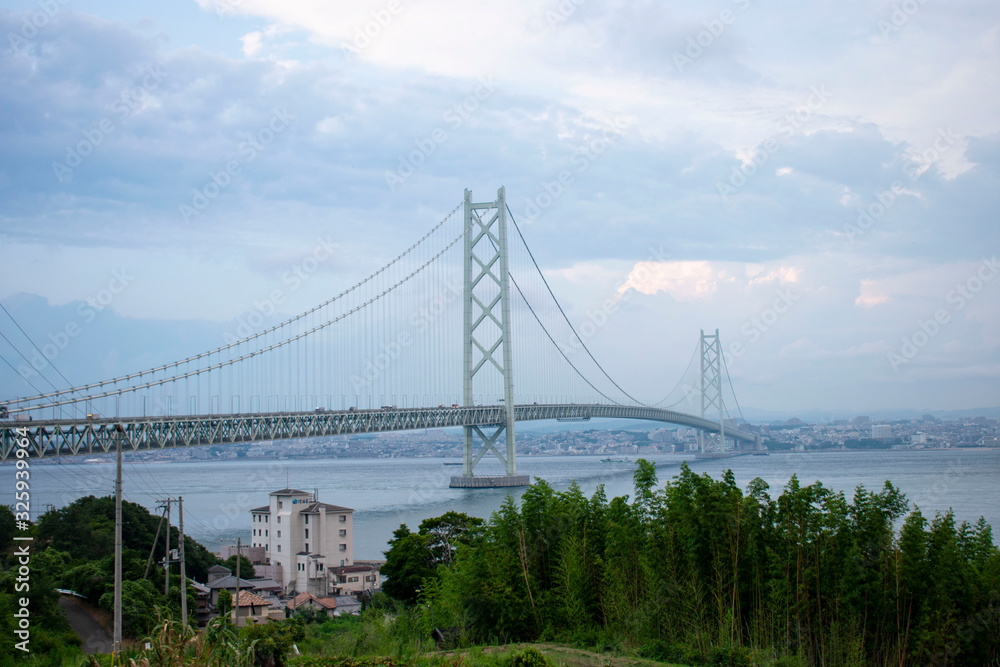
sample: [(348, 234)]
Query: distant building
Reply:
[(881, 432), (919, 438), (862, 421)]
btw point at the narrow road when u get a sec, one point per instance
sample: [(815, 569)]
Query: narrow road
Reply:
[(95, 638)]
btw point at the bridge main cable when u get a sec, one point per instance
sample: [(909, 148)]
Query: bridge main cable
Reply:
[(250, 355), (176, 364), (565, 317)]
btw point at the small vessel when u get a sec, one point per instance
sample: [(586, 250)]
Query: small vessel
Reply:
[(453, 463), (618, 460)]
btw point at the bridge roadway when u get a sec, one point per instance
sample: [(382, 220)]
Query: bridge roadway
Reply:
[(68, 437)]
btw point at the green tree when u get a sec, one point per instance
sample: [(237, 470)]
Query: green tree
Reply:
[(139, 603), (224, 605), (7, 528), (246, 568), (408, 562), (446, 532), (272, 641)]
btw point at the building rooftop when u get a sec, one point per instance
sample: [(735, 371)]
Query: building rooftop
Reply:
[(345, 569), (248, 599), (230, 582), (305, 598), (219, 568), (315, 507), (264, 584), (289, 492), (265, 508)]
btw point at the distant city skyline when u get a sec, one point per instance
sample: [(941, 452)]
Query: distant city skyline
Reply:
[(818, 181)]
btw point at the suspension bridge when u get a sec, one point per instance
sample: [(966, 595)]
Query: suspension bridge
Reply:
[(407, 347)]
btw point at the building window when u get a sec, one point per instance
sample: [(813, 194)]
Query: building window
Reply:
[(279, 519), (306, 517), (319, 567), (343, 547), (343, 533), (279, 548), (265, 533), (343, 518), (307, 533), (352, 578), (279, 504), (279, 535), (307, 547)]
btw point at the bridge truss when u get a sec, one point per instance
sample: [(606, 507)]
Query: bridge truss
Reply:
[(100, 436)]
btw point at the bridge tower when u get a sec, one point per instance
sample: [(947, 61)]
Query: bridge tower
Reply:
[(711, 385), (487, 339)]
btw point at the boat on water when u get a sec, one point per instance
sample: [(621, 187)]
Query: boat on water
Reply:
[(453, 463), (618, 460)]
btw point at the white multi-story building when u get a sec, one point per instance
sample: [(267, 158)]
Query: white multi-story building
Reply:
[(881, 431), (307, 540)]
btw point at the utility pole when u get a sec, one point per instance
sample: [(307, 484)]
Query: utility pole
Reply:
[(152, 551), (236, 600), (236, 605), (184, 597), (166, 556), (118, 547)]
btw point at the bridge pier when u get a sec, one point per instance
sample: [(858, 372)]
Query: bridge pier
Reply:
[(486, 331), (488, 481)]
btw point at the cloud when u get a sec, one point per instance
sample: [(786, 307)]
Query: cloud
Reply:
[(373, 84), (252, 43)]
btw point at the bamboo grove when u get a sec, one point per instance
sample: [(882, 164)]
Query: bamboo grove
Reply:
[(702, 571)]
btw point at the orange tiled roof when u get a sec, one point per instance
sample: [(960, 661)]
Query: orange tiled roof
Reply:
[(248, 599)]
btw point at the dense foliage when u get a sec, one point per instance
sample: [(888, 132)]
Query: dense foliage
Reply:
[(73, 548), (413, 557), (702, 571)]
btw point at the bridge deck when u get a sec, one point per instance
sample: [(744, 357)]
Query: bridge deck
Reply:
[(94, 436)]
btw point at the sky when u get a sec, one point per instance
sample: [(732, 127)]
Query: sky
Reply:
[(817, 180)]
